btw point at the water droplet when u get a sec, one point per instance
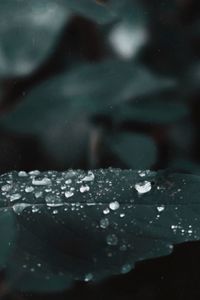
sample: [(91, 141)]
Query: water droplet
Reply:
[(123, 247), (68, 181), (29, 189), (88, 277), (84, 188), (114, 205), (44, 181), (32, 270), (22, 174), (112, 239), (34, 172), (6, 187), (15, 197), (104, 223), (89, 177), (143, 173), (126, 268), (53, 201), (143, 187), (19, 207), (69, 194), (38, 194), (160, 208), (106, 211), (35, 208)]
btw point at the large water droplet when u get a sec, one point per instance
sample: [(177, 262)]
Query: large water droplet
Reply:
[(143, 187)]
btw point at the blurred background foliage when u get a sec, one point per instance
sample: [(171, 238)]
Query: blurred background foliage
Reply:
[(90, 84)]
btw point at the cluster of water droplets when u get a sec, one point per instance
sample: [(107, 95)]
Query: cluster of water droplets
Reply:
[(76, 191)]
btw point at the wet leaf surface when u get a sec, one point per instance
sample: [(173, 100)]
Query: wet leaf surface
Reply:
[(92, 225)]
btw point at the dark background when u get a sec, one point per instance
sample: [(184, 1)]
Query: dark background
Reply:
[(97, 126)]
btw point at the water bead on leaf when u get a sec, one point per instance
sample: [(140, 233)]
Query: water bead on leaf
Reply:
[(143, 187)]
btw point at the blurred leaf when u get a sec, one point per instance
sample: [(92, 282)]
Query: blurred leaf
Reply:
[(90, 89), (28, 31), (91, 9), (79, 225), (130, 10), (153, 111), (134, 149)]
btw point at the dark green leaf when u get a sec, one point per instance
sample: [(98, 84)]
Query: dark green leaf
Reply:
[(90, 89), (29, 37), (151, 111), (135, 150), (87, 226)]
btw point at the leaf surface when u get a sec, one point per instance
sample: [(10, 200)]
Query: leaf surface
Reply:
[(80, 225)]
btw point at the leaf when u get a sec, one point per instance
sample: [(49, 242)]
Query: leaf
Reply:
[(108, 12), (80, 225), (88, 89), (28, 32), (135, 150), (151, 111), (90, 9)]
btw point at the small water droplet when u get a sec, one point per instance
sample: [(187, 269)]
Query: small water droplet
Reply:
[(29, 189), (22, 174), (34, 172), (89, 177), (106, 211), (88, 277), (18, 208), (68, 181), (84, 188), (114, 205), (126, 268), (38, 194), (112, 239), (53, 200), (6, 188), (104, 223), (44, 181), (15, 197), (69, 194), (160, 208), (35, 208)]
